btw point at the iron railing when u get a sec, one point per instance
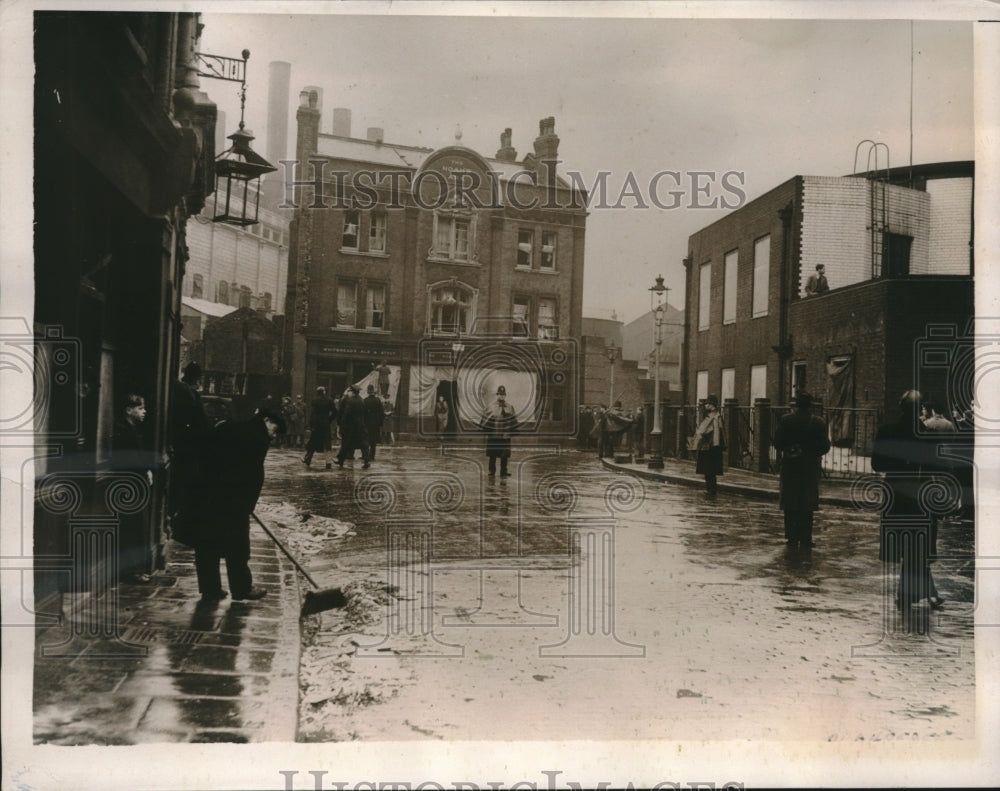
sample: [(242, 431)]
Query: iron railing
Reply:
[(851, 431)]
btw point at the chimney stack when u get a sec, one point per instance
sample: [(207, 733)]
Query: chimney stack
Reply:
[(546, 150), (506, 152), (319, 95), (342, 121), (375, 134)]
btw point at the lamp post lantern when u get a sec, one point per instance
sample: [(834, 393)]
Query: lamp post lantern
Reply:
[(612, 351), (658, 305), (238, 169)]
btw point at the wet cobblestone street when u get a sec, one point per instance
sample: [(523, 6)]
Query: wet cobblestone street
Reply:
[(570, 601)]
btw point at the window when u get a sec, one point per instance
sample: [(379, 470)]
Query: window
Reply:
[(704, 296), (267, 301), (375, 308), (451, 310), (798, 378), (349, 239), (223, 292), (521, 319), (701, 388), (729, 288), (761, 275), (376, 233), (728, 389), (525, 247), (548, 328), (347, 304), (454, 237), (548, 258), (197, 286), (246, 295), (758, 382), (896, 254)]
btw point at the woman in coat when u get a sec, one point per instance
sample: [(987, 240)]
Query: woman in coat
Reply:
[(803, 440), (711, 440)]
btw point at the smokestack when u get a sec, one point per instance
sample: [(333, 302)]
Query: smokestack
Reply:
[(374, 134), (278, 87), (342, 121)]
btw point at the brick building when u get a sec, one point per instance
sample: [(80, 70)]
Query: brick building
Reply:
[(897, 250), (450, 272)]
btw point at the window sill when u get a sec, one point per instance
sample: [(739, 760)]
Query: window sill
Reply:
[(364, 253), (539, 271), (366, 330), (433, 259)]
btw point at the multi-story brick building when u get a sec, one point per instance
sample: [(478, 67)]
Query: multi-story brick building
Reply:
[(450, 272), (897, 251)]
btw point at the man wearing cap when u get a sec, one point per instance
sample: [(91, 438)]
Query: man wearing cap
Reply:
[(353, 435), (499, 423), (817, 284), (802, 439)]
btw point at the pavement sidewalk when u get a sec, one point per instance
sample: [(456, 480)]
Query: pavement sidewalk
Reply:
[(832, 491), (173, 669)]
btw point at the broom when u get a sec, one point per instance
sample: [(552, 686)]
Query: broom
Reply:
[(316, 600)]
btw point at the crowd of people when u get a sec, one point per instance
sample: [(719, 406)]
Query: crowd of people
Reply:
[(218, 471), (610, 429)]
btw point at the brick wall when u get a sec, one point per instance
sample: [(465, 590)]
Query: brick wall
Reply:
[(879, 324), (748, 341)]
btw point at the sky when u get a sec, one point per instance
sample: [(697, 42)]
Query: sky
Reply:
[(762, 99)]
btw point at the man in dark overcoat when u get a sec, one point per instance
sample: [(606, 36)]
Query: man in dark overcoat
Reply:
[(909, 461), (188, 429), (374, 418), (353, 434), (234, 475), (499, 423), (322, 412), (802, 440)]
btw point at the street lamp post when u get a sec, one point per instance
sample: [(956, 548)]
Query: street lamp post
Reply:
[(658, 305), (612, 351)]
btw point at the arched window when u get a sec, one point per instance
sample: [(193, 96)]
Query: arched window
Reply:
[(223, 292), (452, 307), (197, 286)]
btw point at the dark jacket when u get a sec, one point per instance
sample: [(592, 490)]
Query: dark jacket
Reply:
[(803, 441), (188, 421), (908, 460), (374, 416), (352, 418), (499, 423), (234, 474), (322, 411)]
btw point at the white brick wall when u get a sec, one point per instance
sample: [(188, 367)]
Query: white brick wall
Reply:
[(949, 252), (835, 218), (224, 252)]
